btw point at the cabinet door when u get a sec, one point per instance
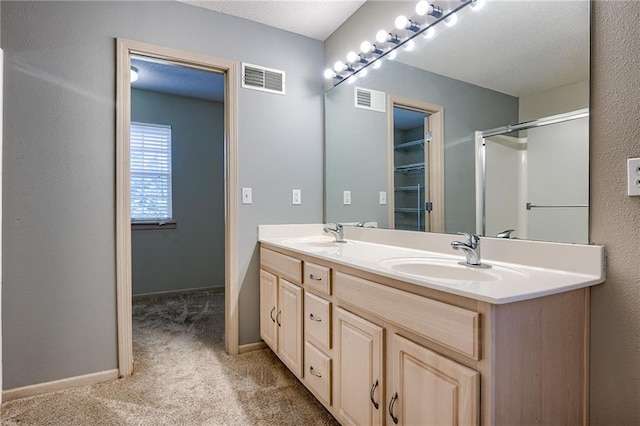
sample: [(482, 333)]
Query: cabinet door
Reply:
[(430, 389), (269, 309), (359, 370), (289, 320)]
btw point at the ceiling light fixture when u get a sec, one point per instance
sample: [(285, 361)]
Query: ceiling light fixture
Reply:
[(133, 75), (387, 42)]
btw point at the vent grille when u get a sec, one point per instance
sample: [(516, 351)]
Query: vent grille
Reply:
[(370, 99), (262, 78)]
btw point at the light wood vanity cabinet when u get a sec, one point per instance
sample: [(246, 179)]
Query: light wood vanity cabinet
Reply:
[(379, 351)]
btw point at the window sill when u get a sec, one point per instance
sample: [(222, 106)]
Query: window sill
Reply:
[(144, 226)]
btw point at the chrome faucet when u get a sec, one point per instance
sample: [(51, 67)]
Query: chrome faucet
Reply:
[(505, 234), (471, 249), (337, 232)]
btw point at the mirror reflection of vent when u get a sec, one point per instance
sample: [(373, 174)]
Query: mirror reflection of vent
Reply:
[(262, 78), (370, 99)]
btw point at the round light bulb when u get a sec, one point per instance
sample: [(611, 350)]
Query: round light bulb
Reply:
[(363, 72), (377, 64), (408, 46), (477, 4), (401, 22), (329, 74), (133, 74), (351, 79), (352, 56), (382, 36), (392, 55), (339, 66), (423, 7), (429, 33), (451, 20), (365, 47)]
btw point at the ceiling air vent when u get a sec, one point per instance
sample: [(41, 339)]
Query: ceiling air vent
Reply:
[(262, 78), (370, 99)]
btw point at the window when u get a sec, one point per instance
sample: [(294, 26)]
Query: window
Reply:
[(150, 173)]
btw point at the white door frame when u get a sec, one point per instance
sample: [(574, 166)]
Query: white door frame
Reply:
[(126, 48), (435, 158)]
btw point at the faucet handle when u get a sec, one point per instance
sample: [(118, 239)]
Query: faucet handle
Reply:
[(505, 234), (472, 239)]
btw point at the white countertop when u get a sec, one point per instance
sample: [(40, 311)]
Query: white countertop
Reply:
[(542, 272)]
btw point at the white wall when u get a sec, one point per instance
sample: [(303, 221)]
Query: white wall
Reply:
[(555, 101), (191, 255), (59, 301)]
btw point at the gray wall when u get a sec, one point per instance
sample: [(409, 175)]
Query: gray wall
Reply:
[(357, 141), (192, 255), (59, 302), (614, 217)]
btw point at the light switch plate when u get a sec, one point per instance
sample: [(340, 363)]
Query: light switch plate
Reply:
[(296, 196), (383, 198), (633, 176), (346, 198), (247, 196)]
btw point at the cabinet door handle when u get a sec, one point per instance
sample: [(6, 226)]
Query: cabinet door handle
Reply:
[(313, 277), (313, 372), (373, 389), (314, 318), (394, 398), (278, 318), (271, 314)]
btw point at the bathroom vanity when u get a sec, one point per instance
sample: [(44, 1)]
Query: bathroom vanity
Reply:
[(388, 328)]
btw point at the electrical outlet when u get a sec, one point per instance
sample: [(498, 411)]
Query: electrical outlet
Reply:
[(383, 197), (296, 196), (633, 176), (247, 196), (346, 195)]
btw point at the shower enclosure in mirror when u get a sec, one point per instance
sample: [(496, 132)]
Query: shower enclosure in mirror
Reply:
[(511, 62), (531, 179)]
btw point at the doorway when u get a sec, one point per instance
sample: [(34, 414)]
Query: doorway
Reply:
[(126, 49), (416, 165)]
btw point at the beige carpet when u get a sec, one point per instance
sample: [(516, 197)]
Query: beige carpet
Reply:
[(182, 376)]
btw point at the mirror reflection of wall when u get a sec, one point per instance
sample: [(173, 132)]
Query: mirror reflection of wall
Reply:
[(508, 63)]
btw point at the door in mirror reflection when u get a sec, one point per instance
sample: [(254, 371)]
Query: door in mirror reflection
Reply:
[(410, 174)]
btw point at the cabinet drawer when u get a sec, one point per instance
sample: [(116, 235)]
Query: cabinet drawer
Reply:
[(285, 266), (317, 372), (317, 277), (317, 319), (448, 325)]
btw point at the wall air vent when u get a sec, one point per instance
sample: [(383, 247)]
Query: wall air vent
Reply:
[(370, 99), (262, 78)]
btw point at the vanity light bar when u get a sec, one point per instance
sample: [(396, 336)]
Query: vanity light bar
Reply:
[(387, 42)]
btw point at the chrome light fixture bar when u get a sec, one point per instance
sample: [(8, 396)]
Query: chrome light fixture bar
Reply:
[(356, 63)]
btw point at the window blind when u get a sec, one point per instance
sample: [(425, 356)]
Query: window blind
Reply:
[(150, 172)]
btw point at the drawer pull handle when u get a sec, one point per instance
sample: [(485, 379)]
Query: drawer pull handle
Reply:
[(394, 398), (278, 319), (313, 277), (271, 314), (314, 318), (313, 372), (373, 389)]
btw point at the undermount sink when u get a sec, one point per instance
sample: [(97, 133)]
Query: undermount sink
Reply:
[(323, 245), (446, 269)]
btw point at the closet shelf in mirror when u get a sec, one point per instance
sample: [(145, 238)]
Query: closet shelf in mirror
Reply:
[(409, 188), (406, 146), (407, 210), (406, 168)]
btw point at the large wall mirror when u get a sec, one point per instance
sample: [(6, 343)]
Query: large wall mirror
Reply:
[(401, 148)]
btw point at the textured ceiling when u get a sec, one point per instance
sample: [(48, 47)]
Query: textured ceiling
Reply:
[(514, 47), (312, 18)]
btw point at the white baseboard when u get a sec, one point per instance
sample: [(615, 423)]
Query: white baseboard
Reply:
[(57, 385), (250, 347)]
